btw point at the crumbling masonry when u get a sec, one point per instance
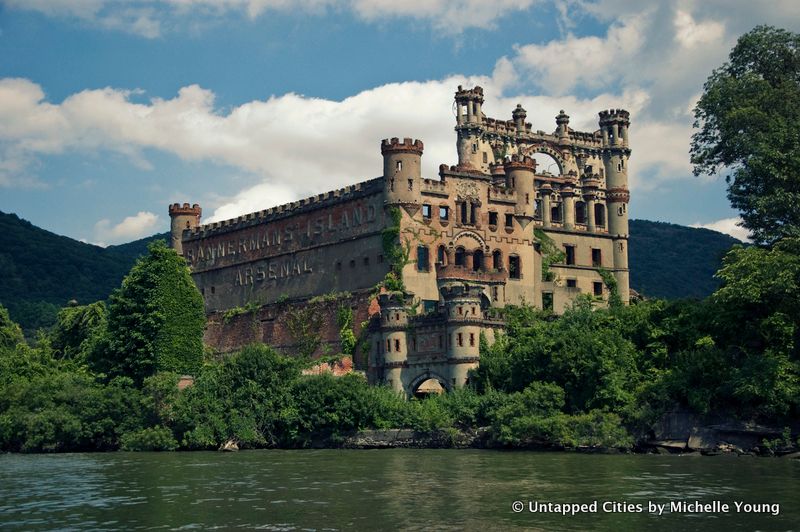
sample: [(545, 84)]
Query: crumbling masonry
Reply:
[(491, 231)]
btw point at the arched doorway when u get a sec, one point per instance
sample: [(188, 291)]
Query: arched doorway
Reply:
[(429, 388)]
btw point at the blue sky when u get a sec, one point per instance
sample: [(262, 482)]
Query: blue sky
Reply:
[(111, 110)]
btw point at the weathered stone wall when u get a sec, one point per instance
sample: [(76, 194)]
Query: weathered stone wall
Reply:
[(272, 324), (312, 249)]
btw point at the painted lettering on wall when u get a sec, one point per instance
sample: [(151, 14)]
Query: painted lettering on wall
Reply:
[(272, 271), (280, 239)]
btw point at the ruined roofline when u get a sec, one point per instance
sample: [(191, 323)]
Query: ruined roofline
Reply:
[(350, 192)]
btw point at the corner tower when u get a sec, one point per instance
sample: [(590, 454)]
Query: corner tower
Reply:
[(614, 129), (394, 346), (402, 170), (182, 217)]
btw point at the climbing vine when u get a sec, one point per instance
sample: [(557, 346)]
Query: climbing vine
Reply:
[(551, 254), (614, 299)]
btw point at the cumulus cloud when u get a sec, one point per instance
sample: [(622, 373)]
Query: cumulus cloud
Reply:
[(729, 226), (132, 227), (149, 18), (289, 146)]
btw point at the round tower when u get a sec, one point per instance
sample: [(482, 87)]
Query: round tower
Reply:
[(469, 127), (464, 317), (182, 217), (402, 169), (614, 127), (519, 177), (394, 346)]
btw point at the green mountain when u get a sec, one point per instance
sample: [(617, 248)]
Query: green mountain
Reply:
[(673, 261), (41, 271)]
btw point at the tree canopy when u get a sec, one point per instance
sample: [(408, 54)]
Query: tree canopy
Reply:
[(747, 119), (155, 320)]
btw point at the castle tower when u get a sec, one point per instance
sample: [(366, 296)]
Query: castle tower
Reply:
[(182, 217), (519, 177), (469, 128), (402, 170), (464, 316), (614, 127), (394, 346)]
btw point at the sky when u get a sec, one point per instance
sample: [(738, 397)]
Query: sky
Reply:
[(110, 110)]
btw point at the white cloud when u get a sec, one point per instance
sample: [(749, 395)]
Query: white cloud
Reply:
[(288, 146), (132, 227), (729, 226), (149, 18)]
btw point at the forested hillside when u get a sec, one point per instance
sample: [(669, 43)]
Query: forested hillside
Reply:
[(673, 261)]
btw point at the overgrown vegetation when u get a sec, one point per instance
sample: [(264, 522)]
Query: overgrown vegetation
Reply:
[(551, 253)]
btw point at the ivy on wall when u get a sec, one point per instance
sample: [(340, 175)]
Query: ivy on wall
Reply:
[(550, 252)]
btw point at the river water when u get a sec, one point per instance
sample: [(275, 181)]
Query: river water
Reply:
[(394, 489)]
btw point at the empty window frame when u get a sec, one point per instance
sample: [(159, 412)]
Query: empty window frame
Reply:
[(597, 257), (444, 212), (514, 267), (423, 260), (597, 288), (570, 254), (426, 211)]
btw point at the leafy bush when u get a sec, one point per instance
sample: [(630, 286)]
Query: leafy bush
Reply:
[(149, 439)]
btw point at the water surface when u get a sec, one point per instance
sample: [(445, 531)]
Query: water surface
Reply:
[(388, 489)]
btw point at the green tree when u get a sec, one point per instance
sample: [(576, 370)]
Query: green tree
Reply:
[(155, 320), (10, 333), (747, 119), (77, 330)]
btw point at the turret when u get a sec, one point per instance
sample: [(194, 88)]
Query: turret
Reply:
[(469, 128), (402, 169), (519, 114), (182, 217), (464, 317), (562, 126), (394, 346), (519, 177), (614, 126)]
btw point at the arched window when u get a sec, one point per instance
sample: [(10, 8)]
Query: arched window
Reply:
[(423, 261), (441, 255), (477, 260), (497, 259), (460, 256), (600, 214), (580, 212)]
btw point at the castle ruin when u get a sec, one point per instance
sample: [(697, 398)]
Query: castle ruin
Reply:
[(491, 231)]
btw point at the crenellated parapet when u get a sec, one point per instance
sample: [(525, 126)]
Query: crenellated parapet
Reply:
[(177, 209), (407, 145), (287, 210)]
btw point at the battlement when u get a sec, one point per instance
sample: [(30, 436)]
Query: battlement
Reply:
[(434, 186), (408, 145), (475, 93), (176, 209), (614, 115), (520, 162), (365, 188), (453, 291)]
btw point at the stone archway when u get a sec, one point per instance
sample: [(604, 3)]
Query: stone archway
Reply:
[(551, 153), (423, 378)]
